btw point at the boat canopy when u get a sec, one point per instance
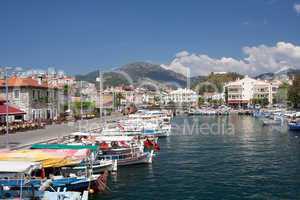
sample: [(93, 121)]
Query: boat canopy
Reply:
[(47, 157), (65, 146), (114, 138), (84, 134), (18, 166)]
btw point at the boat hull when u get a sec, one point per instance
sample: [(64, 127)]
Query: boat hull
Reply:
[(144, 160), (294, 127), (97, 168)]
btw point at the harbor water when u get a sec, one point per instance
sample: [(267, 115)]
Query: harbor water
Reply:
[(216, 157)]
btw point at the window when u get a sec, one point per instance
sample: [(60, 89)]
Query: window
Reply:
[(16, 94)]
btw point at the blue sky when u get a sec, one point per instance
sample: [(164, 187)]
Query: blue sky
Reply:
[(79, 36)]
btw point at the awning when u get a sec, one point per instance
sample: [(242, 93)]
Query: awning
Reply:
[(11, 110), (18, 166), (48, 158), (64, 146)]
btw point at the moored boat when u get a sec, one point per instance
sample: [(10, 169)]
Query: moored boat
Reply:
[(294, 126), (125, 149)]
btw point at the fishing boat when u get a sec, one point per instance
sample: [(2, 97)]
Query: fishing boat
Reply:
[(121, 149), (52, 161), (17, 182), (15, 179), (97, 166), (125, 149), (294, 126), (72, 183)]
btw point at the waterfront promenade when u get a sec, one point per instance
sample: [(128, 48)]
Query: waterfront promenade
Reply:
[(19, 139)]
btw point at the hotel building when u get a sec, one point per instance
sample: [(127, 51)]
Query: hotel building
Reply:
[(241, 92), (181, 96)]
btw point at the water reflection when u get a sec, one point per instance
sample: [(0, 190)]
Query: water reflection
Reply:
[(254, 163)]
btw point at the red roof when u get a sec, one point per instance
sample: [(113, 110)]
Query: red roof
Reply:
[(15, 81), (11, 110)]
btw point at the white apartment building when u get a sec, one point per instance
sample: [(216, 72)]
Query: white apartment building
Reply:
[(242, 91), (180, 96)]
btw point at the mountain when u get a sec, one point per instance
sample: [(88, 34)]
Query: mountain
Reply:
[(137, 73), (265, 76), (281, 74), (213, 82)]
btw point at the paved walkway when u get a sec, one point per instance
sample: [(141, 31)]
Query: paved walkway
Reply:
[(52, 131)]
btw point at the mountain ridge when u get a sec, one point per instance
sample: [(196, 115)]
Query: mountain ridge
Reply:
[(137, 73), (145, 73)]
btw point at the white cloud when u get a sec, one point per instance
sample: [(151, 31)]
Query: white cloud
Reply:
[(297, 8), (182, 54), (258, 59)]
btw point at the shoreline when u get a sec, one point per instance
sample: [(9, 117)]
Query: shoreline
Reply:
[(20, 140)]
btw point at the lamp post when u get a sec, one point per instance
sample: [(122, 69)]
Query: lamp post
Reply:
[(6, 107), (99, 79), (5, 71)]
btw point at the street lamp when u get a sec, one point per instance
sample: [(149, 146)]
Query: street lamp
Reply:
[(99, 79), (5, 70)]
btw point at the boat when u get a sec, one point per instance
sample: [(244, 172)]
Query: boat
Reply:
[(15, 179), (294, 126), (97, 166), (48, 195), (127, 150), (267, 121), (72, 183), (52, 161)]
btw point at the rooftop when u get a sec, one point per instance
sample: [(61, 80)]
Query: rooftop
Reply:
[(15, 81)]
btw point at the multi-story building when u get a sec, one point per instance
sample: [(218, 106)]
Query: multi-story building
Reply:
[(243, 91), (129, 94), (35, 97), (181, 96), (60, 81)]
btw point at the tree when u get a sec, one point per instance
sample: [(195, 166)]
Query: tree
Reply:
[(66, 89), (87, 106), (201, 101), (264, 102), (117, 100), (156, 99), (261, 101), (282, 94), (215, 82), (294, 92), (226, 95)]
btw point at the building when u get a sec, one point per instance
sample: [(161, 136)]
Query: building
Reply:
[(34, 97), (181, 96), (241, 92), (151, 97), (213, 96), (127, 94), (61, 81), (14, 114)]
